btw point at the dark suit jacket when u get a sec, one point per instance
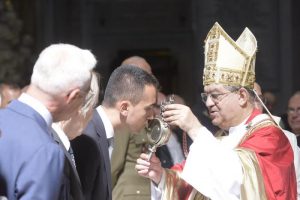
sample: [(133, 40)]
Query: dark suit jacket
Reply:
[(88, 163), (98, 161), (72, 180), (31, 162), (2, 187)]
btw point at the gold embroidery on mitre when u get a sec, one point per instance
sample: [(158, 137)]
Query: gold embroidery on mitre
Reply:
[(227, 61)]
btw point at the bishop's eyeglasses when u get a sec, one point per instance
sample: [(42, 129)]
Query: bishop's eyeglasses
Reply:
[(215, 97)]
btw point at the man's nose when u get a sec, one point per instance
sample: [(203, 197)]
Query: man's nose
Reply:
[(209, 102), (295, 114)]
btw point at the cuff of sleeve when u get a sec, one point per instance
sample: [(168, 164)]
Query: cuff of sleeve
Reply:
[(157, 189), (161, 184)]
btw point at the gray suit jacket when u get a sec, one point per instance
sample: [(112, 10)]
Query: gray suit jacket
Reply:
[(31, 162), (96, 182)]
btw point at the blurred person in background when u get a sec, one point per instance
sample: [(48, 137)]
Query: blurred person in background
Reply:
[(8, 92), (293, 114)]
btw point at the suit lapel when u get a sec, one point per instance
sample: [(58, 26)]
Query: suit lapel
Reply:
[(102, 142), (67, 154)]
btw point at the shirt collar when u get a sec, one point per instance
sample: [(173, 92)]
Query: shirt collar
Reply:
[(237, 132), (62, 135), (37, 106), (107, 123), (235, 129)]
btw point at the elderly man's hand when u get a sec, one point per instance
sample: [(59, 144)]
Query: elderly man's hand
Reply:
[(182, 116), (150, 169)]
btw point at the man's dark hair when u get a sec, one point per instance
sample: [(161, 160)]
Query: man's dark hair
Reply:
[(127, 82)]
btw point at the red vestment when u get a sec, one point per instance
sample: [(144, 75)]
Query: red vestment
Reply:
[(276, 160)]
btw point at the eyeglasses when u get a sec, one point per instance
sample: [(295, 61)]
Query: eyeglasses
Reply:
[(292, 111), (215, 97)]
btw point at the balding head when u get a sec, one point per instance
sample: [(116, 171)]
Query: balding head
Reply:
[(138, 62)]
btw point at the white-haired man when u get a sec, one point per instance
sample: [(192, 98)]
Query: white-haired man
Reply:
[(293, 114), (32, 165), (255, 160)]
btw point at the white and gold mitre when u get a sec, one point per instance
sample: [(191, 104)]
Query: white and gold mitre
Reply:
[(227, 61)]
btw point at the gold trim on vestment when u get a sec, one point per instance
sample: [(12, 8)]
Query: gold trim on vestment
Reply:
[(173, 184), (253, 182), (252, 187)]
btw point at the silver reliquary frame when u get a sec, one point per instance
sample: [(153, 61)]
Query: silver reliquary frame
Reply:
[(158, 131)]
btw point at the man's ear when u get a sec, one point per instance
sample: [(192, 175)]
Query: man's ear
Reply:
[(124, 107), (73, 94), (243, 96)]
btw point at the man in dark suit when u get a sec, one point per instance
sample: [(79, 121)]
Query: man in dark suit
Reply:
[(72, 128), (70, 172), (32, 165), (127, 105)]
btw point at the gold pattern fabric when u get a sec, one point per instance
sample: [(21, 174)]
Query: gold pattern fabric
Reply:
[(177, 189), (172, 185), (253, 183), (252, 187), (229, 62)]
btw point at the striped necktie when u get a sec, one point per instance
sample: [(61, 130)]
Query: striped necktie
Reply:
[(72, 156)]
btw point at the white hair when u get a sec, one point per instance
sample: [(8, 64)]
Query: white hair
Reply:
[(62, 67)]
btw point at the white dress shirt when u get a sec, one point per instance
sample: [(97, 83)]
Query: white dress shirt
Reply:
[(108, 129), (37, 106), (62, 135)]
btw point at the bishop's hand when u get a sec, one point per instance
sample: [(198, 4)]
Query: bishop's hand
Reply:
[(182, 116)]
